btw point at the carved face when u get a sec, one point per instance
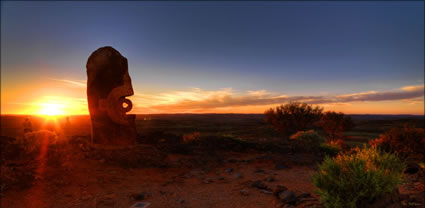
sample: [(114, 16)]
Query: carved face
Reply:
[(107, 86)]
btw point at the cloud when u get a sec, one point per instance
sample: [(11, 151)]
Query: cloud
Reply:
[(198, 100), (408, 92), (413, 88), (72, 83)]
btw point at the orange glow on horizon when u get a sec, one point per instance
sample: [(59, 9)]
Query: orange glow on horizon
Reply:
[(51, 109), (48, 107), (52, 98)]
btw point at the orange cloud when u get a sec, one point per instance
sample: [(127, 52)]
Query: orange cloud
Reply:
[(198, 100)]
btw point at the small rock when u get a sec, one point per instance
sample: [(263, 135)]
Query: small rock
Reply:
[(266, 191), (287, 196), (307, 199), (259, 171), (229, 170), (270, 179), (188, 175), (237, 175), (141, 196), (281, 166), (207, 181), (181, 201), (259, 184), (221, 178), (279, 188), (244, 192), (303, 195)]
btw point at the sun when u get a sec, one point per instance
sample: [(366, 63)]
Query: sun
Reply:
[(51, 109)]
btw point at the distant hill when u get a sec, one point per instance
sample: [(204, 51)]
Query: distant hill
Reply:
[(384, 117)]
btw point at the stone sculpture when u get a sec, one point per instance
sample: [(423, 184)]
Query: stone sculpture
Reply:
[(108, 85)]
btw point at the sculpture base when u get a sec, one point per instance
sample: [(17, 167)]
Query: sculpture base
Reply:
[(105, 131)]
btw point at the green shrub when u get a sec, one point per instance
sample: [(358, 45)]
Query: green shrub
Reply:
[(329, 149), (308, 140), (363, 175)]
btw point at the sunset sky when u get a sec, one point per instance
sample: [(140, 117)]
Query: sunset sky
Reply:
[(218, 57)]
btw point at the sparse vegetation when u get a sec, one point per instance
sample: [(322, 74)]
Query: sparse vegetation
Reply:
[(308, 140), (329, 149), (32, 142), (335, 124), (364, 175), (407, 142), (241, 143), (293, 117)]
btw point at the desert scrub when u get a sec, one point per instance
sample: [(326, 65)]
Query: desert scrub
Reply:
[(308, 140), (363, 175), (329, 149), (406, 142), (33, 142)]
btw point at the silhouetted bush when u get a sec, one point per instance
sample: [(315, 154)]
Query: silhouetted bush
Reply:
[(406, 142), (335, 124), (364, 175), (293, 117), (308, 140)]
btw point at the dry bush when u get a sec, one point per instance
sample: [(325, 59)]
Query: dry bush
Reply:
[(406, 142), (335, 124), (293, 117)]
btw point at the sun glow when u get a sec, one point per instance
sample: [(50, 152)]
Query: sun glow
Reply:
[(51, 109)]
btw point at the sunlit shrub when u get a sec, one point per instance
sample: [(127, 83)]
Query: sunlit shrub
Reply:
[(364, 175), (308, 140), (406, 142)]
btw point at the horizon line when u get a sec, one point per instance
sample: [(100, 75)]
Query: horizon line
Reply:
[(62, 115)]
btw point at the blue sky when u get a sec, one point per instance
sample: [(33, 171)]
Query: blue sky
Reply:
[(290, 48)]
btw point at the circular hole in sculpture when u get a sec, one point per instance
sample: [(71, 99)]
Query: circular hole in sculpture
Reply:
[(126, 105)]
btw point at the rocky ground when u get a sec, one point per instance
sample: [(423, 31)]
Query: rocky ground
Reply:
[(80, 175)]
